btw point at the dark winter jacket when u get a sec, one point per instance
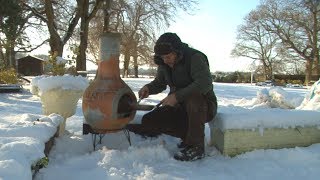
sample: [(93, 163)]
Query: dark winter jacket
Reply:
[(190, 73)]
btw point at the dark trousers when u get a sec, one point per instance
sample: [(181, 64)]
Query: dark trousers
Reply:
[(185, 121)]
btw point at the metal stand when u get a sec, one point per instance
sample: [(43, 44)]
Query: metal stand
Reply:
[(127, 134), (95, 142)]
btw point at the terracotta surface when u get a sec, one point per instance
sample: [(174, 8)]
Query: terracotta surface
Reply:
[(108, 103)]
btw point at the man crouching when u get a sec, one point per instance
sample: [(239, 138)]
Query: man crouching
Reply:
[(190, 103)]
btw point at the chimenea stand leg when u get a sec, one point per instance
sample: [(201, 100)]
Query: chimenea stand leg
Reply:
[(127, 134), (94, 140)]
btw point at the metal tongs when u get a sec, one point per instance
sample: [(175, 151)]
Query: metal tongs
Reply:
[(145, 107), (157, 106)]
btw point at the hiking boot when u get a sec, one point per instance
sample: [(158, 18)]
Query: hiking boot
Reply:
[(182, 145), (190, 153)]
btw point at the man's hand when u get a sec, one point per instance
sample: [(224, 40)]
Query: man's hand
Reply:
[(170, 100), (143, 92)]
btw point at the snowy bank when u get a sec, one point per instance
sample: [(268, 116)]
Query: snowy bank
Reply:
[(242, 118), (22, 144), (312, 98)]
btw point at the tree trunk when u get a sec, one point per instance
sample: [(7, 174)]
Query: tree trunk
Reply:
[(308, 72), (2, 59), (106, 20), (265, 71), (316, 65), (81, 58), (55, 42), (126, 64), (135, 61), (315, 41), (11, 54), (136, 70), (86, 16), (56, 46), (7, 58), (270, 71)]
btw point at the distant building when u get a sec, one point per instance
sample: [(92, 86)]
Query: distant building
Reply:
[(30, 66)]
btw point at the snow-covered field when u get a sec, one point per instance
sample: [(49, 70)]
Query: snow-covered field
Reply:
[(73, 157)]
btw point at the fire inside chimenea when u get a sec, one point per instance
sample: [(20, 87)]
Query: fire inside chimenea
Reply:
[(108, 103)]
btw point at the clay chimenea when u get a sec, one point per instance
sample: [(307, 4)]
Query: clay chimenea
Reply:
[(108, 101)]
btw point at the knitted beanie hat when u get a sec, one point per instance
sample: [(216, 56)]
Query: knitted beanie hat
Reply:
[(167, 43)]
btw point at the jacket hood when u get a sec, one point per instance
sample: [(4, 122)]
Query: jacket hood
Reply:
[(159, 61), (167, 43)]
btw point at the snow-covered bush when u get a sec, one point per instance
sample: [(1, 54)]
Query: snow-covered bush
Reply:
[(312, 98)]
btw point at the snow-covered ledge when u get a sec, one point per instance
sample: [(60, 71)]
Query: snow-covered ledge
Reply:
[(264, 128), (60, 94), (24, 143), (239, 132)]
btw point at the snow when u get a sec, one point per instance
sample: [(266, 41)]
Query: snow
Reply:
[(24, 130), (46, 83), (60, 60), (312, 99), (23, 141), (242, 118)]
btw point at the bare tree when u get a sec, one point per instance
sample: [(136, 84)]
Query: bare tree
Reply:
[(292, 63), (61, 18), (138, 21), (295, 22), (87, 11), (143, 19), (255, 42), (14, 20)]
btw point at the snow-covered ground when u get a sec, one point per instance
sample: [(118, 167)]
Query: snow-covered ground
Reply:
[(23, 131)]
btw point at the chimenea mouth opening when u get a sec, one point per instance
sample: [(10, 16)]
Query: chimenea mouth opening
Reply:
[(125, 106)]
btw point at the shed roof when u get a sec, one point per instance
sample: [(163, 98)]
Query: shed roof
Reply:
[(33, 57)]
